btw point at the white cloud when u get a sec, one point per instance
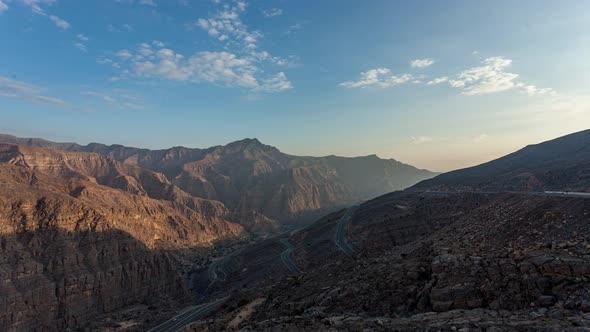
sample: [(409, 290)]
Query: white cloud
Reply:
[(438, 80), (533, 90), (140, 2), (82, 37), (273, 12), (100, 95), (46, 100), (294, 28), (116, 98), (421, 63), (3, 7), (492, 76), (81, 47), (226, 26), (222, 68), (104, 60), (421, 139), (10, 86), (213, 67), (276, 83), (61, 23), (124, 54), (379, 77), (124, 28), (132, 106), (239, 64), (36, 7)]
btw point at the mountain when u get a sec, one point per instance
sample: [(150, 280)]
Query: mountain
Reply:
[(427, 261), (262, 187), (83, 235), (562, 164)]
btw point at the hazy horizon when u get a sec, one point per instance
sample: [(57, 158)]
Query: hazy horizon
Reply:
[(440, 86)]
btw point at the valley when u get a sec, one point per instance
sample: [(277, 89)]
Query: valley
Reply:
[(294, 166), (421, 257), (169, 244)]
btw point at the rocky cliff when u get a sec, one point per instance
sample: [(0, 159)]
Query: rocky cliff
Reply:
[(82, 235)]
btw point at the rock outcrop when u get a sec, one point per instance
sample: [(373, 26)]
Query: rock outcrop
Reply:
[(82, 235)]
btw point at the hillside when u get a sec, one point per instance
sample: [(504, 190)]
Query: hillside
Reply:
[(444, 262), (562, 164)]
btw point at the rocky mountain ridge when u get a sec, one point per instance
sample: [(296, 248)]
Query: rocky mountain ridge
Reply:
[(263, 187), (561, 164)]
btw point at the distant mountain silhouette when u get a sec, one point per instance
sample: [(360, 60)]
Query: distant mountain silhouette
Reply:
[(559, 164), (261, 186)]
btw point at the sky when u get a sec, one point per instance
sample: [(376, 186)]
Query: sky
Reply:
[(437, 84)]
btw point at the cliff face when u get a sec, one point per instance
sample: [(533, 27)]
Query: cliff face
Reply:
[(82, 235), (260, 185), (55, 279)]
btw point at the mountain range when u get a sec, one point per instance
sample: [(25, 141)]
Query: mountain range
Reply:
[(497, 247), (89, 230), (262, 187)]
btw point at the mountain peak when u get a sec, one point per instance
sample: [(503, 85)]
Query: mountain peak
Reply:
[(247, 143)]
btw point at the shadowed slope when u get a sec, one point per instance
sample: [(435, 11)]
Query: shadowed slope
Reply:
[(559, 164)]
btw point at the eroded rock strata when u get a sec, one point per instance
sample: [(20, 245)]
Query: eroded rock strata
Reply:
[(82, 235)]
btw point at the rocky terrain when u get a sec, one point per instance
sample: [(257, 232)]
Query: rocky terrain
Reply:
[(461, 252), (82, 235), (86, 234), (559, 164), (263, 187), (512, 262)]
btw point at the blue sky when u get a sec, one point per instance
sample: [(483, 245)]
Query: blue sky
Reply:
[(438, 84)]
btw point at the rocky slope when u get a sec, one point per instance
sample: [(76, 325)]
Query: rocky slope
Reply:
[(474, 262), (263, 187), (82, 235), (469, 253), (559, 164)]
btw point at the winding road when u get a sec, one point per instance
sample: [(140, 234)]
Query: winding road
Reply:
[(340, 238), (216, 269), (188, 316), (286, 256)]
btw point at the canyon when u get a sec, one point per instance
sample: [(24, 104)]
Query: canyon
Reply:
[(431, 258), (91, 240), (87, 231)]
